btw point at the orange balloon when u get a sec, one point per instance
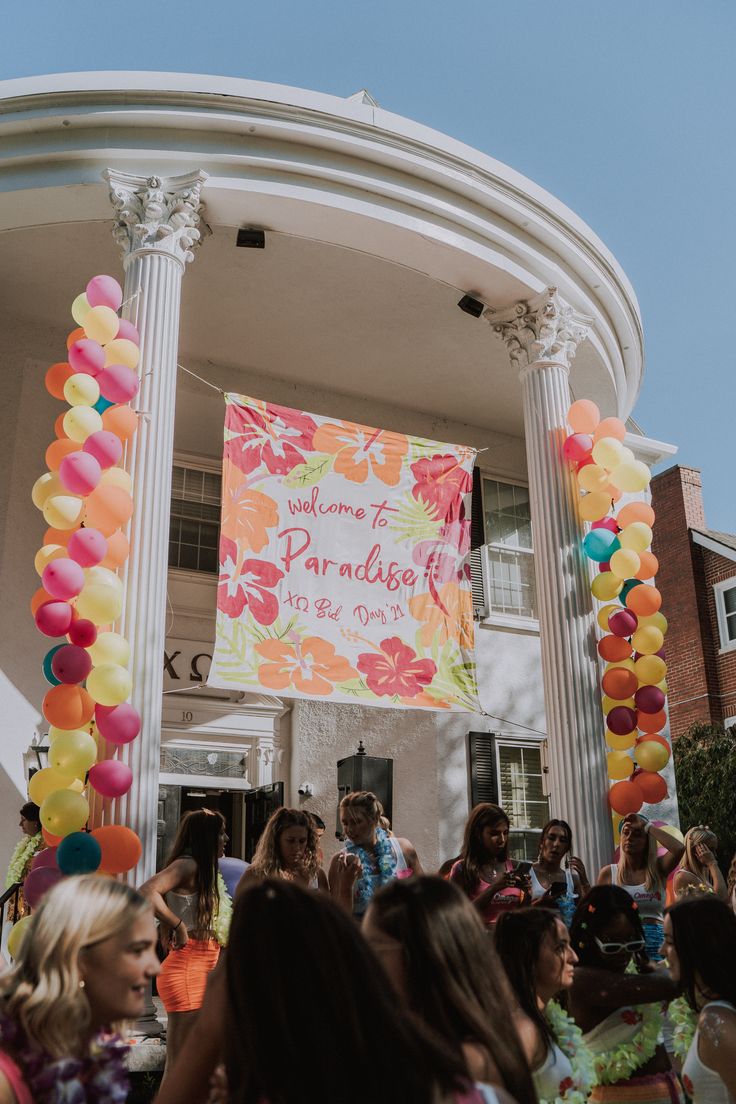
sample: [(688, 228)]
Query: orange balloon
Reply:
[(619, 683), (643, 600), (652, 786), (59, 428), (614, 648), (635, 511), (56, 377), (651, 722), (625, 797), (107, 509), (609, 427), (75, 335), (68, 706), (613, 492), (118, 550), (50, 839), (40, 596), (58, 536), (120, 420), (121, 848), (58, 449), (648, 566)]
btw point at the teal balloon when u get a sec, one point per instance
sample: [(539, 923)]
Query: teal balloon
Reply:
[(600, 544), (78, 853), (628, 586), (102, 404), (48, 674)]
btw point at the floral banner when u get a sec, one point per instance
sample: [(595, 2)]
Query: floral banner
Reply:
[(344, 571)]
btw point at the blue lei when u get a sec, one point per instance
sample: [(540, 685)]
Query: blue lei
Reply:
[(379, 867)]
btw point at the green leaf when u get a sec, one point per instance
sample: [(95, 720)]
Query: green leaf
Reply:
[(304, 475), (356, 687)]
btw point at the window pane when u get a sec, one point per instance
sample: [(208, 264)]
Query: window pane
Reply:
[(521, 787), (729, 600), (511, 582), (195, 519)]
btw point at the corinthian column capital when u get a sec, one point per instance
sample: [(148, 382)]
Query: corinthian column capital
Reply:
[(545, 329), (157, 214)]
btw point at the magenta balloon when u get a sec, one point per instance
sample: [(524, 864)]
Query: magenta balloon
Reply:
[(82, 632), (54, 618), (47, 857), (104, 291), (111, 778), (118, 383), (80, 472), (87, 546), (38, 883), (621, 720), (603, 567), (71, 664), (106, 448), (577, 446), (128, 331), (87, 356), (649, 699), (606, 523), (118, 723), (62, 578), (623, 623)]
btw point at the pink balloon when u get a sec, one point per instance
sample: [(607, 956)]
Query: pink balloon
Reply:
[(128, 331), (80, 472), (111, 778), (623, 623), (47, 857), (105, 447), (118, 723), (87, 356), (118, 383), (54, 618), (71, 664), (104, 291), (649, 699), (62, 578), (82, 632), (87, 546), (577, 446), (38, 883), (621, 720), (606, 523)]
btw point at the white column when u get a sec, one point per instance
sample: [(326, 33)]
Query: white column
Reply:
[(156, 224), (542, 337)]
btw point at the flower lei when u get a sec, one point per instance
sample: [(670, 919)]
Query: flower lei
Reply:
[(684, 1022), (24, 851), (224, 914), (569, 1038), (99, 1078), (620, 1062), (383, 858)]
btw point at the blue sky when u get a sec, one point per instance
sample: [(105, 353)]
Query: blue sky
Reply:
[(623, 110)]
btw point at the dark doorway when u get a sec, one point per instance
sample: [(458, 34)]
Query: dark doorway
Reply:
[(260, 805), (175, 801)]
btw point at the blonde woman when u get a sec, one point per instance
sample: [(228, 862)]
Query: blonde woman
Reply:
[(699, 867), (288, 848), (85, 966)]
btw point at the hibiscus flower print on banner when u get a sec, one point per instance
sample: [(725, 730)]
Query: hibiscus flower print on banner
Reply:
[(266, 435), (248, 584), (396, 670), (442, 482), (247, 515), (450, 618), (310, 665), (360, 451)]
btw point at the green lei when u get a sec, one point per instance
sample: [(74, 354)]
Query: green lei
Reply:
[(570, 1041), (24, 851), (684, 1021), (620, 1062), (224, 914)]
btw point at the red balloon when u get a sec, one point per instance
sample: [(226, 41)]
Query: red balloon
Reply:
[(649, 699), (621, 720), (111, 778), (625, 797), (71, 664), (118, 723), (577, 446), (82, 632), (47, 857), (38, 883), (652, 786), (54, 618), (623, 623), (605, 523)]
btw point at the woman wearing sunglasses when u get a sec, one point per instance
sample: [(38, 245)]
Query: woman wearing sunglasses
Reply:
[(618, 1011)]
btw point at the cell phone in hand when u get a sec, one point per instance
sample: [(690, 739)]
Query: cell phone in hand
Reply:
[(522, 869), (558, 889)]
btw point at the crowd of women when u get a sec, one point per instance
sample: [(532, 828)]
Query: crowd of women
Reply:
[(502, 981)]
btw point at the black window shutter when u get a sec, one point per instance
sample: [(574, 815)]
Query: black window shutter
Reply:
[(483, 776), (477, 540), (477, 529)]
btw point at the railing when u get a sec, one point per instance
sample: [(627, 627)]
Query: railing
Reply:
[(10, 894)]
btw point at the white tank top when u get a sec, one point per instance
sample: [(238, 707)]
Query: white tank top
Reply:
[(539, 891), (703, 1084), (550, 1075), (650, 902)]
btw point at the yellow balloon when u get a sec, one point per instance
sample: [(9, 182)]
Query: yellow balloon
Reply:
[(620, 765), (48, 553), (17, 935), (593, 478), (608, 452), (606, 586), (607, 704), (662, 684), (620, 743), (102, 576), (54, 732), (101, 324), (45, 782), (604, 613), (110, 647), (45, 486), (100, 604), (73, 753), (81, 389), (631, 476), (77, 786), (80, 309), (109, 684), (594, 505), (64, 812), (651, 755), (636, 537), (657, 620), (117, 477), (122, 351), (628, 663), (650, 669), (647, 640), (63, 511), (80, 422), (615, 822), (625, 563)]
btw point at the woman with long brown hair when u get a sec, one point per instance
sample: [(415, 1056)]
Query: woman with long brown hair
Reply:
[(484, 871), (699, 870), (186, 898), (288, 849)]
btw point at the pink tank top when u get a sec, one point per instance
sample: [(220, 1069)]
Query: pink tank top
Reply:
[(505, 899), (14, 1076)]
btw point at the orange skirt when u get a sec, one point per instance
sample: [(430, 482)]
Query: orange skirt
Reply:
[(183, 978)]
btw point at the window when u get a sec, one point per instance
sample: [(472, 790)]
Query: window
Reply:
[(725, 594), (504, 566), (195, 519), (510, 774)]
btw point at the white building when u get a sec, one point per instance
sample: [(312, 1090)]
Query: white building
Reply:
[(374, 227)]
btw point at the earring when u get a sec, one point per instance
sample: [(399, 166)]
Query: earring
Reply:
[(81, 984)]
